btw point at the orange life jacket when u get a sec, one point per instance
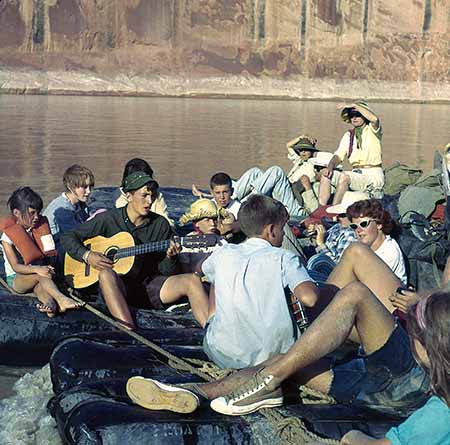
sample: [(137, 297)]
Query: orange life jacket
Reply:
[(42, 245)]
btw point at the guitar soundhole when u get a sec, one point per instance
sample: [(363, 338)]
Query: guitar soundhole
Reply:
[(111, 253)]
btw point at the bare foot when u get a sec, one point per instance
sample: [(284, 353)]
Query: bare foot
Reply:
[(196, 192), (66, 303), (50, 308)]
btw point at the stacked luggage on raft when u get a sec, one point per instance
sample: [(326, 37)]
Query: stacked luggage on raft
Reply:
[(89, 374)]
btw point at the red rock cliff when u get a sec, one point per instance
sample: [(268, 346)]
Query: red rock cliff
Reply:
[(298, 48)]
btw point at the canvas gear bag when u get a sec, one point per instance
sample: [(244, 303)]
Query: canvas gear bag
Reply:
[(399, 176), (426, 248)]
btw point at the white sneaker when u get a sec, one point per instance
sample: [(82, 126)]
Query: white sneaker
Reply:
[(155, 395), (259, 392)]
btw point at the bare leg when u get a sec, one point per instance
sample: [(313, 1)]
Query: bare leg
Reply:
[(189, 285), (212, 301), (324, 190), (113, 291), (353, 307), (51, 289), (342, 187), (360, 263), (30, 283)]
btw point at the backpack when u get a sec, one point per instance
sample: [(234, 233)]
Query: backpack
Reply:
[(426, 249), (398, 176)]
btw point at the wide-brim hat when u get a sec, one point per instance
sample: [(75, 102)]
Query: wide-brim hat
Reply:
[(345, 113), (136, 180), (322, 159), (303, 142), (348, 199), (203, 208)]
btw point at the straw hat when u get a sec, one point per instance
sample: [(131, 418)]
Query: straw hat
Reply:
[(322, 159), (203, 208), (347, 109), (348, 199)]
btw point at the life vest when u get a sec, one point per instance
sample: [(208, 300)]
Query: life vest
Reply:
[(42, 245)]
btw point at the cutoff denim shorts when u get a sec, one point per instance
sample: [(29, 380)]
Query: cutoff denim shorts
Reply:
[(388, 380)]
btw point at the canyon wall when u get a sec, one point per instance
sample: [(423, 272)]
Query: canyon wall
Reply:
[(383, 49)]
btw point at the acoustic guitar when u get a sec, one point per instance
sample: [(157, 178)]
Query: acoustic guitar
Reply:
[(121, 249)]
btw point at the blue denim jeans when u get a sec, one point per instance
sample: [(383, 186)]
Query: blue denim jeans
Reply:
[(388, 380)]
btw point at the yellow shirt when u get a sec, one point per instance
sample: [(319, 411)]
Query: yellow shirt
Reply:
[(369, 154)]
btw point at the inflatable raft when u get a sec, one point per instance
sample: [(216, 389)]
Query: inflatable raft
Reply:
[(89, 374)]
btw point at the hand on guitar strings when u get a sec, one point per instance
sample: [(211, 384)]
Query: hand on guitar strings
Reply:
[(173, 250), (99, 261)]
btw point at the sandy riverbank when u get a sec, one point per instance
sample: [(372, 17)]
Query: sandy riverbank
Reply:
[(14, 81)]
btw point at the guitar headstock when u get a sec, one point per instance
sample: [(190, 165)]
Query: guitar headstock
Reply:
[(198, 241)]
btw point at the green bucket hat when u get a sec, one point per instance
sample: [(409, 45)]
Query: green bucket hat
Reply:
[(136, 180), (345, 113), (303, 142)]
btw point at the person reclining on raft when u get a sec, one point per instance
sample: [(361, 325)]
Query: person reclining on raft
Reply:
[(69, 209), (145, 284), (359, 268), (362, 147), (294, 190), (158, 205), (390, 377), (28, 247)]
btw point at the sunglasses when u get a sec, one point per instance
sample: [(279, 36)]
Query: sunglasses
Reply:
[(361, 225), (354, 114)]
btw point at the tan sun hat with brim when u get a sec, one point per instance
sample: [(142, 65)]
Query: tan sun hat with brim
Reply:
[(202, 208), (322, 159), (302, 142), (347, 109), (348, 199)]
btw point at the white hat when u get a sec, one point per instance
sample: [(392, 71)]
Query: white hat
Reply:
[(322, 159), (348, 199)]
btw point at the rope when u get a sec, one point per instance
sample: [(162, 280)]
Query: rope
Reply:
[(289, 429), (311, 396)]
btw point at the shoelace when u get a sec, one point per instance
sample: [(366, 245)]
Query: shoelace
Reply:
[(252, 387)]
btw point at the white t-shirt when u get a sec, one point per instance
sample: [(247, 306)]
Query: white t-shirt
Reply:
[(391, 254)]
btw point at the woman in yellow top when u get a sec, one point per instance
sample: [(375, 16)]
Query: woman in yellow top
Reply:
[(362, 147)]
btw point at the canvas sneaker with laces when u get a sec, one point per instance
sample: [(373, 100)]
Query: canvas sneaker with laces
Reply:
[(155, 395), (259, 392)]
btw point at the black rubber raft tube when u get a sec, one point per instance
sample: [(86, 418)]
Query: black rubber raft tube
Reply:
[(89, 374)]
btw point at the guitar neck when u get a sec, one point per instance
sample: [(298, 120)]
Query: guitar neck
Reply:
[(141, 249)]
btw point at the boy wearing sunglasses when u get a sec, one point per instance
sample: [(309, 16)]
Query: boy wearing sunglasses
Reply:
[(362, 147)]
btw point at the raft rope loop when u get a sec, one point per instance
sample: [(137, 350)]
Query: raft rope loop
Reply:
[(291, 430)]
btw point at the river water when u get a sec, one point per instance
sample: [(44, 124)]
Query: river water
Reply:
[(185, 140)]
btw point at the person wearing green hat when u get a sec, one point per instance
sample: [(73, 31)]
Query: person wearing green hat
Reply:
[(362, 147), (142, 285)]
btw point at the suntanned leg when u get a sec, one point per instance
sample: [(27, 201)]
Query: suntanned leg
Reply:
[(113, 291), (324, 190), (360, 263), (64, 303), (354, 307), (189, 285), (30, 283)]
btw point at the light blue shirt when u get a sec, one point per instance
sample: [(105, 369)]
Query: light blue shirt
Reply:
[(252, 320), (64, 216), (429, 425)]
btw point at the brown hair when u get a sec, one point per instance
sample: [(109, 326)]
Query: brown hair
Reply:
[(259, 211), (372, 208), (77, 176), (429, 323)]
